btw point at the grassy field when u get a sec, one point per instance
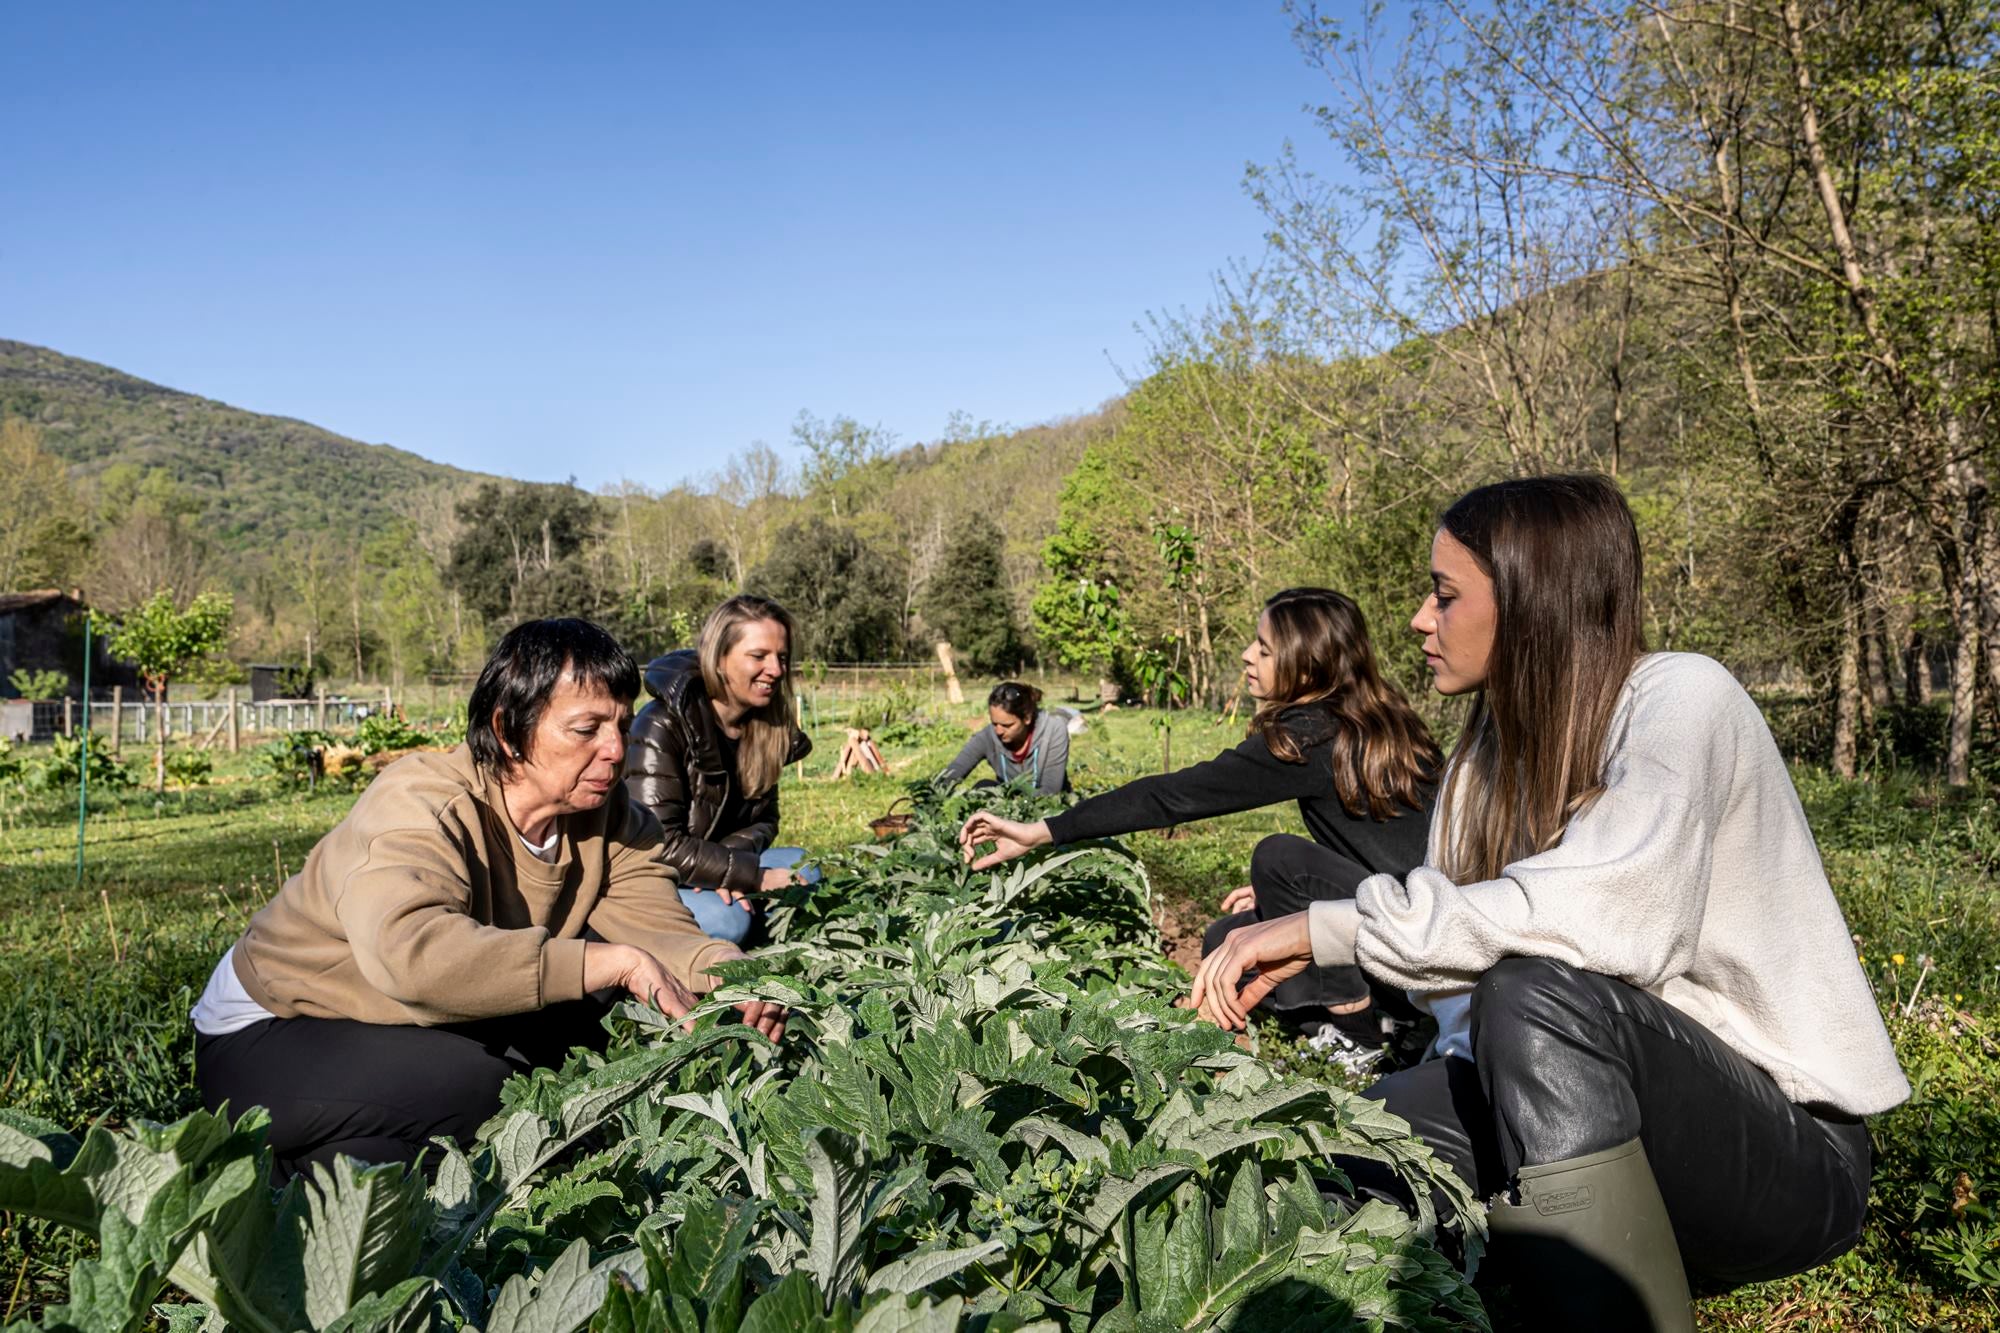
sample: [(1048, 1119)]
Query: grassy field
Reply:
[(96, 980)]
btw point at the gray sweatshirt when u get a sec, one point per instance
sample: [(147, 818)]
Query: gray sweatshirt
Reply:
[(1693, 877), (1048, 759)]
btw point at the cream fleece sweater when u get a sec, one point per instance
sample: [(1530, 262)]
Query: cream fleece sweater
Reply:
[(1694, 876)]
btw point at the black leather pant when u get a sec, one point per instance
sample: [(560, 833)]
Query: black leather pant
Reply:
[(1568, 1062)]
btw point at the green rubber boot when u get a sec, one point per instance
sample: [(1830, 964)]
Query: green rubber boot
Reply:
[(1589, 1246)]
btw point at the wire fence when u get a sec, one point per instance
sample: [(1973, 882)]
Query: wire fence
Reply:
[(205, 721)]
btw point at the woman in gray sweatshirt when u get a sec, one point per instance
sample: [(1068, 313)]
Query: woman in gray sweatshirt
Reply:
[(1020, 736)]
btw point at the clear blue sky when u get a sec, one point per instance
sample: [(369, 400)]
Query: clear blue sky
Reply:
[(625, 240)]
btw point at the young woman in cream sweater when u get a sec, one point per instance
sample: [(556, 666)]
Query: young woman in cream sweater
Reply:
[(1655, 1045)]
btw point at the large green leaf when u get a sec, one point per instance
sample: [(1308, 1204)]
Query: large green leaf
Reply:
[(561, 1299)]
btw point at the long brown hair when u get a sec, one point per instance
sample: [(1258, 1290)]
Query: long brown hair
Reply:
[(767, 731), (1383, 755), (1563, 554)]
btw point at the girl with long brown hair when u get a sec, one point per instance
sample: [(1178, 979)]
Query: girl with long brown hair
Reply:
[(1330, 733), (1655, 1042), (704, 756)]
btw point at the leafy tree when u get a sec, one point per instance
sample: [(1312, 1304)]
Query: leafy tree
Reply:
[(153, 537), (966, 599), (43, 542), (1215, 453), (841, 591), (519, 555), (846, 462), (1077, 612), (709, 558), (164, 642)]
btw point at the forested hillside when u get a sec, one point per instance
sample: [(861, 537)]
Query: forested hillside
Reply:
[(260, 481), (371, 561)]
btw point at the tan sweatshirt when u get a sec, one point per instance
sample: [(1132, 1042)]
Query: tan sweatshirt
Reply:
[(423, 907)]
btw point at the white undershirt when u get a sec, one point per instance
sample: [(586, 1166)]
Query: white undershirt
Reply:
[(225, 1007)]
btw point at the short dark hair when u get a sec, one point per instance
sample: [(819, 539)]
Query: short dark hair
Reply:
[(1023, 701), (523, 672)]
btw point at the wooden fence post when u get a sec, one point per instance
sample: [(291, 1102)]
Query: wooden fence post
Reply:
[(69, 717), (235, 741), (951, 687), (117, 716), (319, 711)]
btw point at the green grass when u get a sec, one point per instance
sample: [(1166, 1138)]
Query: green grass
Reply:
[(90, 1028)]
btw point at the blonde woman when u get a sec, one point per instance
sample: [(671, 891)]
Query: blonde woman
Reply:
[(704, 756), (1655, 1044)]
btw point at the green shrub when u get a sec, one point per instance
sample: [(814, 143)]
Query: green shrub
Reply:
[(386, 731), (288, 755), (62, 767), (1937, 1171), (40, 684), (189, 768)]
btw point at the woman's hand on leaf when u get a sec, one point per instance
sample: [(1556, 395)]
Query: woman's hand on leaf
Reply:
[(640, 974), (767, 1017), (1010, 838)]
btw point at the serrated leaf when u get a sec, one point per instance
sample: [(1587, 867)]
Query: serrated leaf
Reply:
[(404, 1308), (359, 1235), (914, 1272), (794, 1306), (561, 1299), (898, 1315)]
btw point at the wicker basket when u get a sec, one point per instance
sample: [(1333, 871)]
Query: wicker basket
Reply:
[(894, 822)]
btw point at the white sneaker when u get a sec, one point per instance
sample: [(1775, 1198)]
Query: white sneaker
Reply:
[(1334, 1045)]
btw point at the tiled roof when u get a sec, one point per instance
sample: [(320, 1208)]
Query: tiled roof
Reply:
[(34, 600)]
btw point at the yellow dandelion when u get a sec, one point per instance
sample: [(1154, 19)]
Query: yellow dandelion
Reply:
[(1896, 958)]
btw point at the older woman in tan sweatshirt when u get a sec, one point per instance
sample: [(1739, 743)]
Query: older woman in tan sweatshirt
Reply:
[(471, 918)]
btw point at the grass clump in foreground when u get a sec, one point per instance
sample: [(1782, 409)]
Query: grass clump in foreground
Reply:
[(84, 1036)]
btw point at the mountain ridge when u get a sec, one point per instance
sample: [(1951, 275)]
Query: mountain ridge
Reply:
[(259, 478)]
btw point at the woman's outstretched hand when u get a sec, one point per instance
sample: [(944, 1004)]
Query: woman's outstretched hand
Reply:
[(1278, 950), (1010, 839)]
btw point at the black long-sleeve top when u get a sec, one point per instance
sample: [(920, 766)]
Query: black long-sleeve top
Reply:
[(1248, 778)]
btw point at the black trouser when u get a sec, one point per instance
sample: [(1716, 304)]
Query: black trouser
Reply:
[(1567, 1062), (381, 1092), (1290, 873)]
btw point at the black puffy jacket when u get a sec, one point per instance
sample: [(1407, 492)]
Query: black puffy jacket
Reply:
[(674, 766)]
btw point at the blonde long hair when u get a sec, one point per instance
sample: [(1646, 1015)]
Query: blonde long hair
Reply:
[(1563, 554), (1383, 755), (767, 731)]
